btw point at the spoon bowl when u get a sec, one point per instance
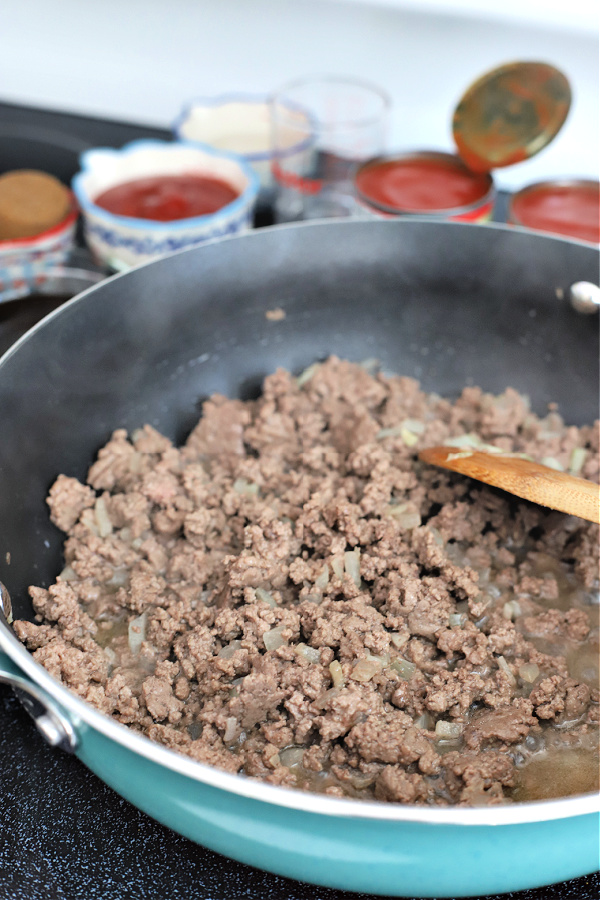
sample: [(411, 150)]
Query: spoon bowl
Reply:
[(522, 477)]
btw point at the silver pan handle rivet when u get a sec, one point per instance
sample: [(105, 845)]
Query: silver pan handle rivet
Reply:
[(51, 730), (585, 296)]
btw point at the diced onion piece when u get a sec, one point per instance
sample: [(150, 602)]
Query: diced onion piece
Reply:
[(229, 649), (110, 655), (552, 463), (322, 580), (456, 620), (415, 425), (398, 640), (265, 597), (409, 437), (395, 431), (371, 365), (307, 374), (274, 638), (403, 667), (424, 721), (396, 509), (134, 463), (88, 519), (460, 454), (448, 731), (529, 672), (291, 756), (578, 455), (337, 675), (383, 659), (362, 780), (231, 727), (436, 536), (68, 574), (352, 565), (338, 567), (511, 610), (464, 441), (103, 522), (310, 654), (364, 669), (322, 702), (241, 486), (408, 430), (408, 520), (119, 578), (503, 665), (137, 632)]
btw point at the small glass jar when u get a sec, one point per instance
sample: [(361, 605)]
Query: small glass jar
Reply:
[(566, 207), (424, 183)]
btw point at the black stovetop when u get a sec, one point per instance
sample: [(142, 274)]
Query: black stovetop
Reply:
[(64, 835)]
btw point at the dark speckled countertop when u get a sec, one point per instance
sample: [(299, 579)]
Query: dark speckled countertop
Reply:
[(64, 835)]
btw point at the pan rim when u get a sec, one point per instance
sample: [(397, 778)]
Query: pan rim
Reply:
[(259, 233)]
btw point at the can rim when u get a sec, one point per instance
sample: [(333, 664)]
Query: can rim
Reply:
[(434, 155), (556, 183)]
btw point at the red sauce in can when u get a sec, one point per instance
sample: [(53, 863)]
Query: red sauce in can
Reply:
[(570, 208), (421, 182), (165, 198)]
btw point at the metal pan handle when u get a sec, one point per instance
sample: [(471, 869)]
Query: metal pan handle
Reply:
[(49, 719)]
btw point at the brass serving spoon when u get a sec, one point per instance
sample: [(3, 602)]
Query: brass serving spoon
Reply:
[(522, 477)]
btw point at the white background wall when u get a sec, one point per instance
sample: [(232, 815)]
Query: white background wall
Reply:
[(139, 60)]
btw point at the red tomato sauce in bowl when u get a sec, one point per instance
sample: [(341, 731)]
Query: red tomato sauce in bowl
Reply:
[(166, 198)]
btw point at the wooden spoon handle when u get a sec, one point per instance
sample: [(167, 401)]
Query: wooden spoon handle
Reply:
[(524, 478)]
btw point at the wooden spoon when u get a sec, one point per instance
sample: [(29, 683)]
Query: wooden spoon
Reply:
[(522, 477)]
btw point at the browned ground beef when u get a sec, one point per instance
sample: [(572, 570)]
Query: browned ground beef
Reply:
[(294, 596)]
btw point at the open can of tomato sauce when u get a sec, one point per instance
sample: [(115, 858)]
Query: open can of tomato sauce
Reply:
[(567, 207), (426, 183), (506, 116)]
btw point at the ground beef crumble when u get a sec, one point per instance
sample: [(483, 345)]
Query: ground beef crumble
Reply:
[(293, 596)]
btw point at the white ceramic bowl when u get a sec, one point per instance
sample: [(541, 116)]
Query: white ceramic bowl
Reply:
[(26, 263), (123, 241), (238, 123)]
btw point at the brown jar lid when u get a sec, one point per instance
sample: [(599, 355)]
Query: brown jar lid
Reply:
[(509, 114)]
